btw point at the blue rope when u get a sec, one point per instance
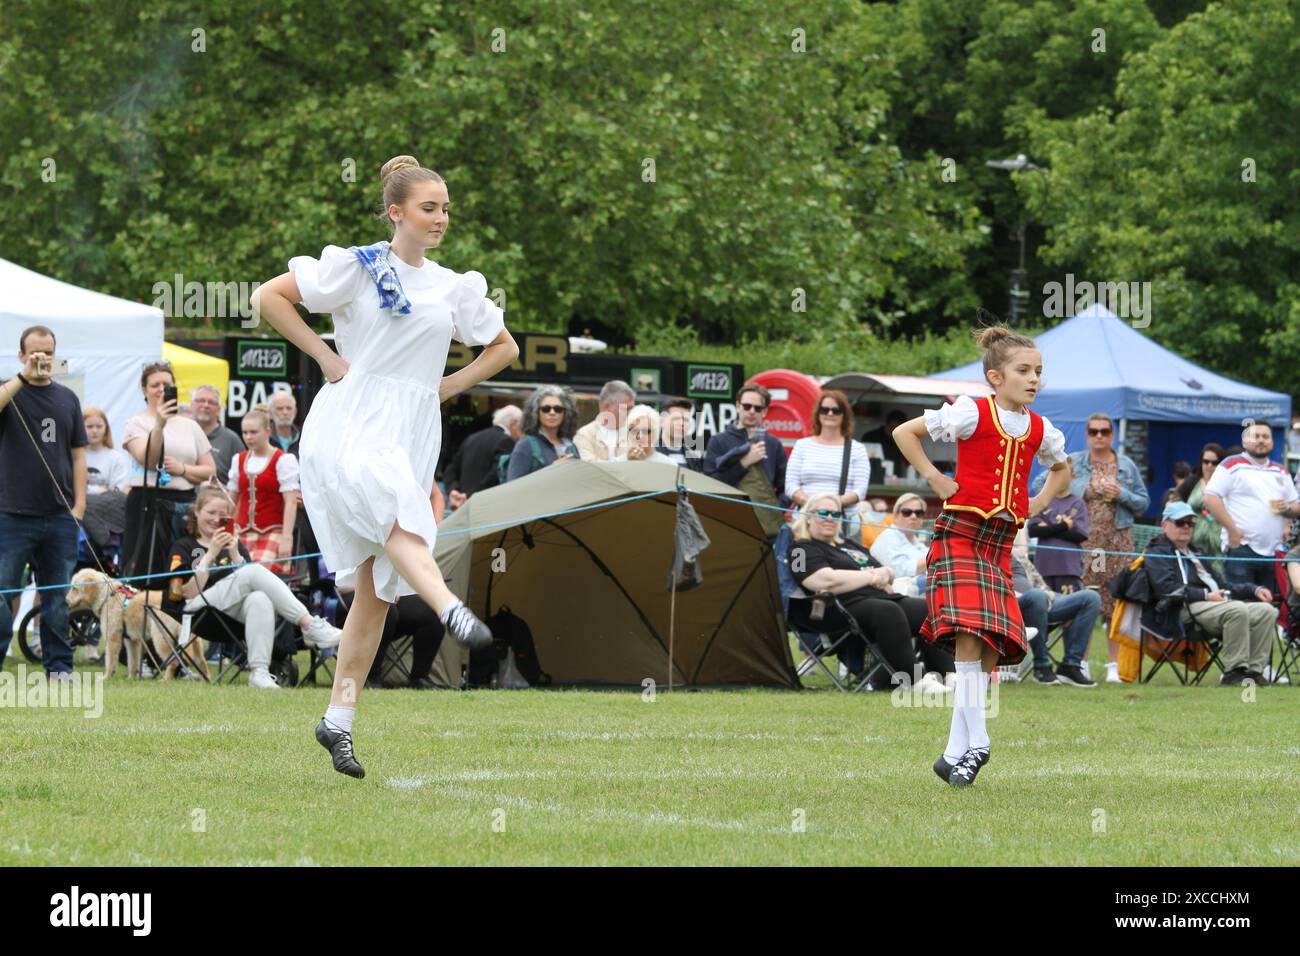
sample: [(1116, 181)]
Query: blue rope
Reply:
[(180, 572)]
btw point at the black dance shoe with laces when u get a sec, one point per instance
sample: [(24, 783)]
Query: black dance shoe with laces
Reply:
[(964, 771), (339, 744), (467, 629), (943, 768)]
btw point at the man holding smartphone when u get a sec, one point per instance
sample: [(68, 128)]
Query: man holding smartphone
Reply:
[(42, 487), (745, 456)]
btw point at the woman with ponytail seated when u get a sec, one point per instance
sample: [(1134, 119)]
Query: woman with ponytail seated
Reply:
[(224, 581)]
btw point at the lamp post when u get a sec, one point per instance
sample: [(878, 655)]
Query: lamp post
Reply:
[(1019, 278)]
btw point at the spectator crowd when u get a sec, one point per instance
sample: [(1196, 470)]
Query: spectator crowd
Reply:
[(183, 491)]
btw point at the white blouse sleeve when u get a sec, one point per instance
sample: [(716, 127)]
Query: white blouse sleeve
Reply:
[(859, 471), (286, 472), (232, 476), (953, 422), (1052, 449), (478, 320), (330, 282), (794, 467)]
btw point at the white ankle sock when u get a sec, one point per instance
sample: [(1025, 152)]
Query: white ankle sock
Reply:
[(340, 718), (969, 697), (958, 741), (964, 691)]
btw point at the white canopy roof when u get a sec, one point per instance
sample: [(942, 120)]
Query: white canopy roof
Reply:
[(106, 340)]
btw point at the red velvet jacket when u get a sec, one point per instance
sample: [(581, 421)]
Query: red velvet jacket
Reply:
[(262, 496), (993, 468)]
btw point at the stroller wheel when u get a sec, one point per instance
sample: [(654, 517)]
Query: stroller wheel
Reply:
[(29, 635)]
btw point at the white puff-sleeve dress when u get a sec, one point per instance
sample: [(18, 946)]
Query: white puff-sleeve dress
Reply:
[(371, 440)]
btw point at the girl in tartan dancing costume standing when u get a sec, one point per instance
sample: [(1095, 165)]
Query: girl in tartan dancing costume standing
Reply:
[(972, 605)]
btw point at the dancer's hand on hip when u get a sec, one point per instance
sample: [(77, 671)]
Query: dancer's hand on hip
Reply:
[(449, 387), (333, 367)]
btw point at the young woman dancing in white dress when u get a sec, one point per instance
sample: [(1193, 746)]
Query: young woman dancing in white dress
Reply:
[(371, 440)]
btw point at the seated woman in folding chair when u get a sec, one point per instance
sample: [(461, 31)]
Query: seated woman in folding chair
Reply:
[(821, 560), (250, 594)]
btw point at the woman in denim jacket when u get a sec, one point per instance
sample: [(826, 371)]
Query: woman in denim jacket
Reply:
[(1112, 487)]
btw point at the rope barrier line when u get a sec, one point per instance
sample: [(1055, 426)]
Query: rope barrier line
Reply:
[(181, 572)]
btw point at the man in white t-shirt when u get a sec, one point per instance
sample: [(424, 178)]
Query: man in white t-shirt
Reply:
[(605, 438), (1251, 497)]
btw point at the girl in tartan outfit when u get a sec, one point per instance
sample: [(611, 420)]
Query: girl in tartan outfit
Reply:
[(971, 604), (265, 481)]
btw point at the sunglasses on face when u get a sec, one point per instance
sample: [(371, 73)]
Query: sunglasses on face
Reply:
[(836, 410), (1098, 431), (551, 409), (1186, 522), (828, 514), (752, 408), (1209, 461), (911, 513)]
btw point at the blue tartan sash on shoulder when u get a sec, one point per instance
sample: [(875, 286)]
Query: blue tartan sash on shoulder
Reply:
[(375, 260)]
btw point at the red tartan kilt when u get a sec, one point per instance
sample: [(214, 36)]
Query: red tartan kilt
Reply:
[(968, 584), (262, 547)]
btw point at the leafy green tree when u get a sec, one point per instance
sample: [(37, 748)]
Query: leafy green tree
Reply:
[(1189, 184)]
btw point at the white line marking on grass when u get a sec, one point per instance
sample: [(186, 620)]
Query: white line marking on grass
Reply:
[(653, 819), (659, 736), (469, 776)]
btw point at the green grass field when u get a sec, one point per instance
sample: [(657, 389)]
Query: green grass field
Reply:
[(191, 774)]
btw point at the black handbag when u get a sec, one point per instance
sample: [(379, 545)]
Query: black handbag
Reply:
[(845, 522)]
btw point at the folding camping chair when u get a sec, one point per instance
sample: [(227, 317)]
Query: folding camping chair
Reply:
[(1288, 641), (1055, 651), (823, 614), (1183, 652), (319, 594)]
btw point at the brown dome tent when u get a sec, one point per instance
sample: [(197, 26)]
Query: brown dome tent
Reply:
[(592, 584)]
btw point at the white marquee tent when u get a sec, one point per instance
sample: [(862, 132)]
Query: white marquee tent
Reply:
[(106, 340)]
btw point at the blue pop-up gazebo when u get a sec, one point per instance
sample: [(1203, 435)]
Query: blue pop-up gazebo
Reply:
[(1164, 406)]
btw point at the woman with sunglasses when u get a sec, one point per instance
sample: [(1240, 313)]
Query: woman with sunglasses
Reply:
[(817, 462), (899, 547), (821, 560), (550, 422), (1112, 487), (1192, 490)]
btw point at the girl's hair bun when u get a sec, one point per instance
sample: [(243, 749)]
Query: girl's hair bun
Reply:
[(396, 163)]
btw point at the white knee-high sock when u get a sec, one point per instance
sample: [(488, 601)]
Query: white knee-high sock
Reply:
[(959, 732), (340, 717), (975, 725)]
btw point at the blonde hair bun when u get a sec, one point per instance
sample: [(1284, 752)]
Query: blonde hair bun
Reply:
[(396, 163)]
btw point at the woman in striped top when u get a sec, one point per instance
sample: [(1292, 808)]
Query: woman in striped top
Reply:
[(816, 462)]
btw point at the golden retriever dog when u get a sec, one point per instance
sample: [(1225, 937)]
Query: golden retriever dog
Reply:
[(122, 617)]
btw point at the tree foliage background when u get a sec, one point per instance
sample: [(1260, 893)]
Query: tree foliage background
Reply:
[(797, 152)]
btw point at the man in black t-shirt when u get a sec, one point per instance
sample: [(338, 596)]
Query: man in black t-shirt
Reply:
[(42, 486)]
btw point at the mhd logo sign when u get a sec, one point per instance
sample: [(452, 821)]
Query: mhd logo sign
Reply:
[(77, 909), (262, 358)]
